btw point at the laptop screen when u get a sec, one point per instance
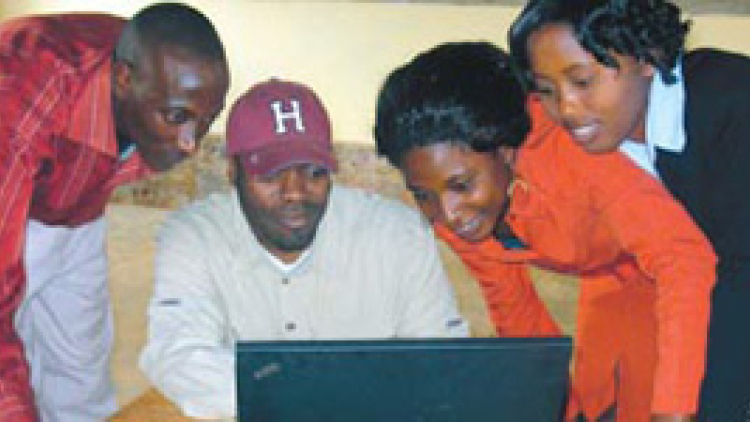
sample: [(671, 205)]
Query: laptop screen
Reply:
[(476, 380)]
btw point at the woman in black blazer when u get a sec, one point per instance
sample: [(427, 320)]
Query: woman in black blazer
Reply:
[(615, 74)]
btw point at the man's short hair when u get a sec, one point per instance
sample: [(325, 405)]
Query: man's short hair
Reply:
[(171, 24)]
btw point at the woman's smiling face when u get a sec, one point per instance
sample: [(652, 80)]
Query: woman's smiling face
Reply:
[(600, 106), (459, 188)]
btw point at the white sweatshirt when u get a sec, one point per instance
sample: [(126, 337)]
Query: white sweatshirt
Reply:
[(373, 271)]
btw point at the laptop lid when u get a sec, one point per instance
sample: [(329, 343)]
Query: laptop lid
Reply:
[(440, 380)]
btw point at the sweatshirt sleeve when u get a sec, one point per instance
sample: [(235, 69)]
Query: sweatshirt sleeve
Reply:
[(186, 356), (512, 301), (649, 225), (667, 245)]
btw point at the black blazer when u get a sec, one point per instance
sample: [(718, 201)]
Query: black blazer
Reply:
[(711, 177)]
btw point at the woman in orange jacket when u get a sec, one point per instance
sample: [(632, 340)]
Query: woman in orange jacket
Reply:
[(617, 76), (506, 187)]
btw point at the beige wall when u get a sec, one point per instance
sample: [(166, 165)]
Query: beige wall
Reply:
[(344, 50)]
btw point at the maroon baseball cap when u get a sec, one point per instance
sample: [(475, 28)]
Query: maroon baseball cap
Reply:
[(276, 124)]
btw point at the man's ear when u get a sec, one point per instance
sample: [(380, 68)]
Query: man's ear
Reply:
[(122, 73), (231, 169)]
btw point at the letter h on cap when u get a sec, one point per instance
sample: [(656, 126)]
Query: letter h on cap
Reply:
[(282, 115)]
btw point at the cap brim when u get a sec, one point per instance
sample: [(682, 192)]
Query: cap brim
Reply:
[(276, 157)]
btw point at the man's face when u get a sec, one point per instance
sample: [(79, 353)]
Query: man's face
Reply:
[(166, 103), (284, 208), (599, 105)]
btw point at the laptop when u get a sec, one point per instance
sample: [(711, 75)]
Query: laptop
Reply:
[(431, 380)]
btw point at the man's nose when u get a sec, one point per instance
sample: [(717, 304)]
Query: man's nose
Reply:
[(292, 184), (187, 137)]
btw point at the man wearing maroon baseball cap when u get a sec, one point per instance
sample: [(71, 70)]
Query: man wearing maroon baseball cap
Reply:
[(277, 124), (286, 255)]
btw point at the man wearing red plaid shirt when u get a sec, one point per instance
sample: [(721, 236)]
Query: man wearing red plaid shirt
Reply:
[(87, 102)]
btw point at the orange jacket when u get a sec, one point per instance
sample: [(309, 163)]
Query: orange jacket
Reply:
[(646, 274)]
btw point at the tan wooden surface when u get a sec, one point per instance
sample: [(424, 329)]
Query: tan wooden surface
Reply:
[(151, 406)]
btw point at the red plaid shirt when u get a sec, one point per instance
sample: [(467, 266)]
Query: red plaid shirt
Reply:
[(58, 154)]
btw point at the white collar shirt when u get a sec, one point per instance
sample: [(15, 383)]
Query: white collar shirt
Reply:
[(665, 123)]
